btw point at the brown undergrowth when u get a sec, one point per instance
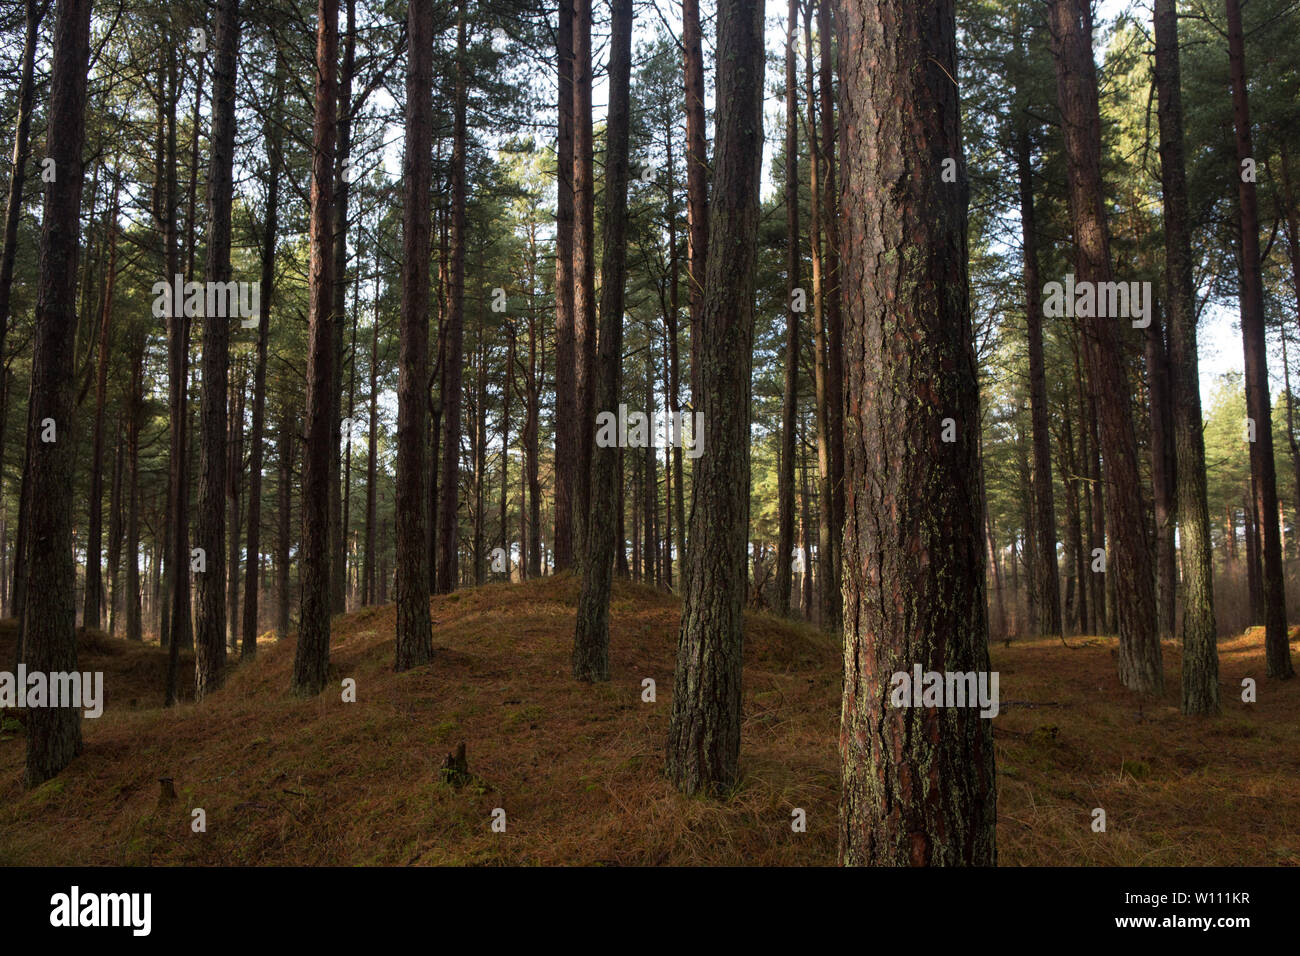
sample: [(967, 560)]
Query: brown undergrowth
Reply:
[(578, 769)]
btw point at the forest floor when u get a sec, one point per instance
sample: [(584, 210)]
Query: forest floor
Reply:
[(578, 769)]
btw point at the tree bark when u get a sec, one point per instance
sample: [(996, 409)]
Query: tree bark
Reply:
[(210, 526), (270, 227), (115, 532), (311, 660), (48, 637), (830, 265), (704, 730), (584, 271), (1162, 476), (1200, 679), (591, 634), (697, 180), (828, 584), (414, 630), (179, 633), (1129, 566), (234, 488), (35, 11), (1277, 649), (134, 416), (566, 399), (284, 454), (790, 394), (449, 491), (338, 530), (94, 596), (913, 558), (1047, 581)]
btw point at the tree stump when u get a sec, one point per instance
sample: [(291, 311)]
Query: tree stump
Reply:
[(455, 768)]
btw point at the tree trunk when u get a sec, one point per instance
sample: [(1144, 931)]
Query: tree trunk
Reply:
[(790, 394), (1258, 407), (210, 526), (531, 449), (584, 271), (48, 639), (284, 454), (478, 446), (566, 398), (234, 488), (1076, 603), (414, 630), (828, 584), (449, 493), (806, 586), (506, 388), (1129, 564), (591, 635), (914, 572), (115, 533), (704, 730), (830, 265), (94, 597), (1162, 476), (179, 633), (267, 289), (311, 660), (697, 182), (1046, 578), (342, 174), (1254, 586), (35, 11), (372, 467), (134, 414)]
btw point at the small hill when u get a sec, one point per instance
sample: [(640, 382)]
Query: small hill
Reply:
[(578, 768)]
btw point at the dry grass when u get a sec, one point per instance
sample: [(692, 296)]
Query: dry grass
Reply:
[(578, 768)]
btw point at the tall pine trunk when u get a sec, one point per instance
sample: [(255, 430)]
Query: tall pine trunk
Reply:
[(1200, 680), (584, 272), (414, 630), (48, 638), (342, 177), (285, 446), (1046, 578), (448, 532), (697, 182), (311, 660), (35, 11), (591, 635), (566, 398), (790, 394), (829, 605), (830, 266), (270, 225), (94, 597), (704, 730), (913, 558), (1277, 650), (1128, 568), (210, 526)]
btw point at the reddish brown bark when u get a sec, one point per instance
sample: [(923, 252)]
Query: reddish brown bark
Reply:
[(311, 660), (1129, 567)]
